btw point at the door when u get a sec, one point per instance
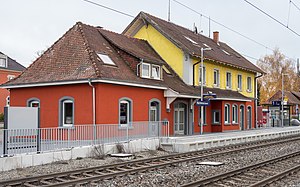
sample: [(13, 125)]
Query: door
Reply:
[(242, 117), (249, 117), (154, 119), (179, 120)]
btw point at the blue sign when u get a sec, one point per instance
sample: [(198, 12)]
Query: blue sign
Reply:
[(206, 99), (205, 102), (276, 103)]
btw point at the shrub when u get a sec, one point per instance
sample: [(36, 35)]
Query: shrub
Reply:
[(1, 117)]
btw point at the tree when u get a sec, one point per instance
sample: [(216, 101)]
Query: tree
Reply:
[(275, 65)]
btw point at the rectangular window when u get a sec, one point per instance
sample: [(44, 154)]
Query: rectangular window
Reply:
[(3, 62), (216, 78), (249, 84), (155, 72), (106, 59), (204, 75), (67, 113), (239, 83), (204, 115), (228, 80), (145, 70), (216, 116)]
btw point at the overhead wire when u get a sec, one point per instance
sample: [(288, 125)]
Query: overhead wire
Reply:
[(114, 10), (295, 5), (216, 22), (201, 15), (273, 18)]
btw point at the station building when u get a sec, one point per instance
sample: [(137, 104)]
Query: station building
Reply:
[(94, 76), (225, 72)]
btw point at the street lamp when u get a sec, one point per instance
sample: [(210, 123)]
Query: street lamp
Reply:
[(282, 95), (201, 88)]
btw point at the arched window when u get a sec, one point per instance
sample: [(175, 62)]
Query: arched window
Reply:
[(125, 111), (33, 102), (227, 113), (154, 110), (234, 114), (66, 109)]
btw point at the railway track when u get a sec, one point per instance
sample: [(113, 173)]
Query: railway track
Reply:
[(93, 174), (260, 174)]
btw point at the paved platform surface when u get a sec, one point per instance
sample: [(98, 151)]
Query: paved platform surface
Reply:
[(198, 142)]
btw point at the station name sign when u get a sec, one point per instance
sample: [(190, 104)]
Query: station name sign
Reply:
[(206, 99)]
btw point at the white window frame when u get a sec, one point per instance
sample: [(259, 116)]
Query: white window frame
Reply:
[(159, 72), (214, 117), (217, 84), (63, 113), (106, 59), (143, 72), (5, 61), (249, 84), (129, 109), (234, 114), (228, 80), (34, 102), (204, 75), (10, 77), (239, 82), (227, 117)]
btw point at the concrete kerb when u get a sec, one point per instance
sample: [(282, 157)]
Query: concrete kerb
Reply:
[(27, 160)]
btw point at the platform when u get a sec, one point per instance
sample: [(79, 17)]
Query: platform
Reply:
[(199, 142)]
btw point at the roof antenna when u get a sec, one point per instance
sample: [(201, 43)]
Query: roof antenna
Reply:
[(169, 12), (298, 72), (209, 27)]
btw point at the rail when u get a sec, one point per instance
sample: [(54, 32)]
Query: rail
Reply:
[(88, 175)]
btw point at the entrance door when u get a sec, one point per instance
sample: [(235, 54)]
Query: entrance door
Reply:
[(242, 117), (154, 119), (179, 114), (249, 117)]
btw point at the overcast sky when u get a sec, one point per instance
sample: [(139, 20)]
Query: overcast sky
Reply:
[(27, 27)]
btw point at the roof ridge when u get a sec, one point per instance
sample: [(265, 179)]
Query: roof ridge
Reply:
[(89, 50), (47, 50), (124, 49)]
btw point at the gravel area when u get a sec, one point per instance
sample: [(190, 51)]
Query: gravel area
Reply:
[(170, 176)]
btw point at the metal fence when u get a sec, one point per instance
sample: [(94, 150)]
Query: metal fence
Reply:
[(19, 141)]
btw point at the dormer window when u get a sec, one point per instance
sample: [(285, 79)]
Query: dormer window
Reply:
[(3, 62), (155, 72), (150, 71), (106, 59), (146, 70)]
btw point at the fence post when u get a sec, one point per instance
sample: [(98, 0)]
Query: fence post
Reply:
[(5, 131), (38, 145)]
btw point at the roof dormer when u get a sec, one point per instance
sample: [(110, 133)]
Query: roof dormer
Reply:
[(3, 61), (150, 71)]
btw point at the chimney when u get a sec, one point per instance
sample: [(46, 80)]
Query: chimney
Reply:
[(216, 36)]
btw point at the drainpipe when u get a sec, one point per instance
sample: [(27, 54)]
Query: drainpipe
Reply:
[(194, 72), (94, 107), (255, 108)]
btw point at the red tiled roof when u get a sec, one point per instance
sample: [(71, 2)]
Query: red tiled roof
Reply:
[(74, 57), (191, 43), (292, 99)]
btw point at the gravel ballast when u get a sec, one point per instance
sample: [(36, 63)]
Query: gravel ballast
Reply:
[(170, 176)]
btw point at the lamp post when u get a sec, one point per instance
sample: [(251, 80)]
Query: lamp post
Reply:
[(201, 89), (282, 95)]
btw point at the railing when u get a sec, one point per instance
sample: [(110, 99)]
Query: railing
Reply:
[(17, 141)]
